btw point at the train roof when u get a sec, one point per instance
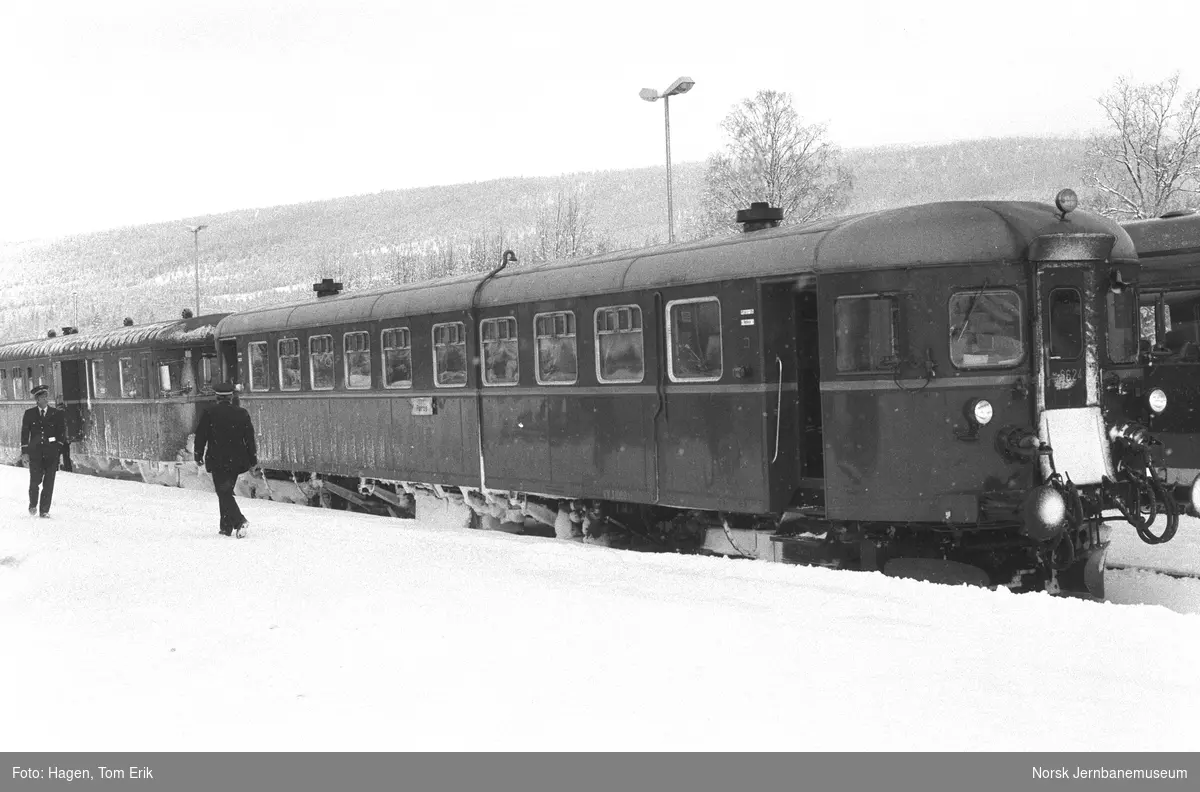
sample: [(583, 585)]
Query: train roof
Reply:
[(1165, 237), (957, 232), (155, 335)]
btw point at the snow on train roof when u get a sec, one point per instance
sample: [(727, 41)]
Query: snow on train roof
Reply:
[(1162, 236), (957, 232), (155, 335)]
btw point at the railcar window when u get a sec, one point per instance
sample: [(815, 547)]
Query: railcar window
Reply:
[(694, 339), (1066, 324), (3, 383), (1121, 310), (41, 375), (99, 383), (865, 332), (209, 372), (320, 362), (356, 347), (130, 376), (1180, 340), (397, 358), (18, 384), (557, 360), (449, 355), (289, 364), (620, 355), (499, 344), (986, 330), (170, 376), (259, 380)]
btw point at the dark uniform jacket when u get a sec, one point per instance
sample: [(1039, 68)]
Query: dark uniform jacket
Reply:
[(36, 430), (226, 433)]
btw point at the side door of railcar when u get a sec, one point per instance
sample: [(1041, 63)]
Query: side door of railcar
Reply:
[(791, 373), (709, 430)]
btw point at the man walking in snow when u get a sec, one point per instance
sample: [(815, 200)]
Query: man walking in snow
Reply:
[(43, 436), (226, 433)]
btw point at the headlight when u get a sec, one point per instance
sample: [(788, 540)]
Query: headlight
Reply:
[(981, 411), (1044, 512), (1156, 400)]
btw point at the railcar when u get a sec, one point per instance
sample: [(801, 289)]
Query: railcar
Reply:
[(1169, 250), (919, 391), (130, 394)]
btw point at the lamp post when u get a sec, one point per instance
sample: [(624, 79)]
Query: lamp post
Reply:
[(680, 86), (196, 259)]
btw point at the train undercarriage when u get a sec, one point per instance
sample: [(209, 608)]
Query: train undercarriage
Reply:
[(1000, 553)]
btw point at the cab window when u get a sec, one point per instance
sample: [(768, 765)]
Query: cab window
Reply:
[(1066, 324), (865, 333), (1122, 330), (986, 330)]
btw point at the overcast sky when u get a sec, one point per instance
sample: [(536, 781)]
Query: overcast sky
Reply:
[(133, 111)]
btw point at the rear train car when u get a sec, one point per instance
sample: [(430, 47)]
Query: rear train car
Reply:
[(130, 394), (918, 390)]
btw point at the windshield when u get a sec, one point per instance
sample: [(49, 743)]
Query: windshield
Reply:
[(986, 329)]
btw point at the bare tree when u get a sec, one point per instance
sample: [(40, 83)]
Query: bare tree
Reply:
[(773, 156), (1148, 161), (563, 227)]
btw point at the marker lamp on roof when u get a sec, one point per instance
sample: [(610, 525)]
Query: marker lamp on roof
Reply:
[(1156, 400)]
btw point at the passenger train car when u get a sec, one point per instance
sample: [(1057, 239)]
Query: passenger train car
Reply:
[(1169, 249), (939, 391), (131, 394), (919, 390)]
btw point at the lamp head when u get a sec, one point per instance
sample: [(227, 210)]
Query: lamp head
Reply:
[(649, 94), (680, 86)]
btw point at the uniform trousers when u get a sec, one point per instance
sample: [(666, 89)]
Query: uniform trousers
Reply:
[(43, 466), (231, 515)]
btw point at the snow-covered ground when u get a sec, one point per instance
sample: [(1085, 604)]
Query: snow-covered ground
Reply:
[(129, 625)]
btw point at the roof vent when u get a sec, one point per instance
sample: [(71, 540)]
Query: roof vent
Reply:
[(327, 288), (69, 330), (760, 215)]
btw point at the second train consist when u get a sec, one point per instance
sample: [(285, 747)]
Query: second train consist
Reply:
[(1169, 250), (927, 391)]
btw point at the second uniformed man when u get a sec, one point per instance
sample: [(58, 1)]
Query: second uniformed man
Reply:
[(227, 435)]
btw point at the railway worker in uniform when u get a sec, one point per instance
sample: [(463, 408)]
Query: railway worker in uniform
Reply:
[(43, 435), (226, 433)]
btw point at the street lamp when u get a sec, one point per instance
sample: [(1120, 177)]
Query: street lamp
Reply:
[(196, 259), (680, 86)]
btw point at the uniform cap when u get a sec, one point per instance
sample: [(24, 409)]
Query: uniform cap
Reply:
[(223, 389), (38, 390)]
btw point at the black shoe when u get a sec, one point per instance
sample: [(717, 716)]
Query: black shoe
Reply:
[(44, 515), (32, 510), (241, 529), (225, 532)]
